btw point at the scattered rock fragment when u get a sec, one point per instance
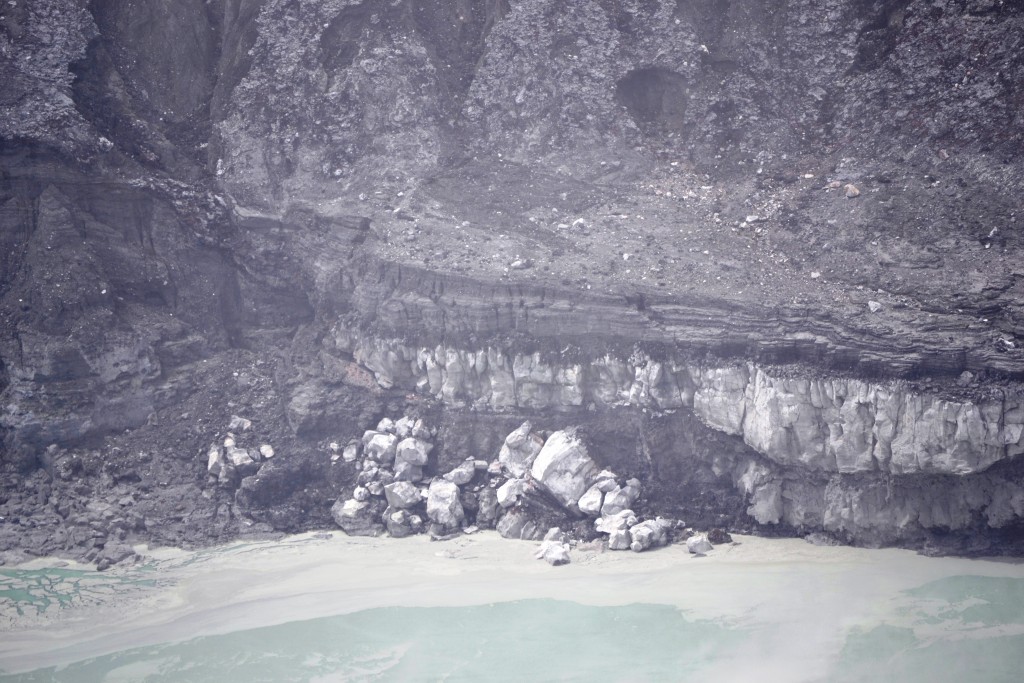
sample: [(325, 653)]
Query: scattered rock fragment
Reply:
[(554, 549), (719, 536), (380, 447), (699, 544), (851, 191), (239, 424)]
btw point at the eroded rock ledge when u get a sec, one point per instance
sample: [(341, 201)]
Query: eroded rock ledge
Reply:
[(875, 462)]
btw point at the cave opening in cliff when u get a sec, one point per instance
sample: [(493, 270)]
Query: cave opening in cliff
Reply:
[(655, 98)]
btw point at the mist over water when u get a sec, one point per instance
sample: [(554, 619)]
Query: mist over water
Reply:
[(959, 628)]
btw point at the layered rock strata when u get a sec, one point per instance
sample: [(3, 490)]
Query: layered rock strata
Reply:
[(872, 462)]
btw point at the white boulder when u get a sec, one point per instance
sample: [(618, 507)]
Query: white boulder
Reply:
[(380, 447), (564, 468), (463, 473), (553, 552), (591, 501), (413, 451), (510, 492), (650, 534), (520, 449), (698, 545), (443, 504)]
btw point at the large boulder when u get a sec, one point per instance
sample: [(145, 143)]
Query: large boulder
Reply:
[(619, 539), (443, 505), (698, 545), (653, 533), (487, 507), (405, 471), (617, 522), (403, 427), (401, 524), (380, 447), (517, 524), (520, 449), (357, 518), (243, 462), (564, 468), (591, 501), (553, 552), (413, 451), (463, 473), (402, 495), (510, 492), (621, 498)]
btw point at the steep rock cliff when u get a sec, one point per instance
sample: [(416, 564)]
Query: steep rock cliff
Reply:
[(792, 223)]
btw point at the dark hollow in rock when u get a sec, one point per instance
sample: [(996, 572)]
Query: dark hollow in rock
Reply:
[(655, 98)]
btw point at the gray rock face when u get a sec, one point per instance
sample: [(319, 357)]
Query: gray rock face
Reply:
[(443, 505), (564, 468), (837, 424), (519, 450)]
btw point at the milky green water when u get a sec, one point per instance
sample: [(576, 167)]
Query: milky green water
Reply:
[(960, 628)]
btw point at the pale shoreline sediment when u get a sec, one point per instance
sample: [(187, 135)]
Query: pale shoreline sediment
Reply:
[(248, 585)]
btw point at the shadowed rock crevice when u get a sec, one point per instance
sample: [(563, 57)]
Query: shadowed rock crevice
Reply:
[(880, 34), (656, 99)]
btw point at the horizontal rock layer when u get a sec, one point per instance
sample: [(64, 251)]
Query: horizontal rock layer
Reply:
[(821, 424)]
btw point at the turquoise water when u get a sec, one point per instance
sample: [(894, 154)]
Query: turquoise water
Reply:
[(532, 640), (975, 635), (960, 628)]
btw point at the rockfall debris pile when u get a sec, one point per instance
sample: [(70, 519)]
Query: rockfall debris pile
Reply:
[(535, 486)]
